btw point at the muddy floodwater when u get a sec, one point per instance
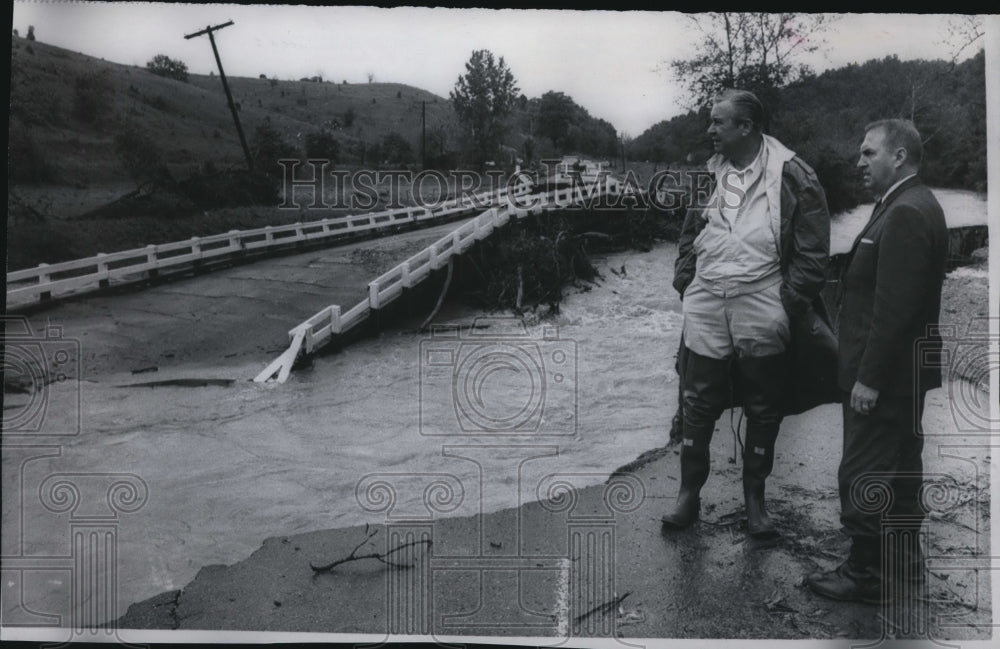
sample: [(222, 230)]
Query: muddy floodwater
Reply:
[(224, 463), (229, 462)]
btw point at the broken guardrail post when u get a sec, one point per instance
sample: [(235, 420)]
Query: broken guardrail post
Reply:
[(152, 260), (102, 269)]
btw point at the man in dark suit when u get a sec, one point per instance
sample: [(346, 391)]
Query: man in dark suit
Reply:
[(891, 302)]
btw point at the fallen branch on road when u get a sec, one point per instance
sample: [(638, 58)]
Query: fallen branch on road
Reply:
[(606, 607), (379, 556)]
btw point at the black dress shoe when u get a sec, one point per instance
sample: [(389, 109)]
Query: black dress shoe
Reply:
[(907, 577), (848, 583), (906, 564)]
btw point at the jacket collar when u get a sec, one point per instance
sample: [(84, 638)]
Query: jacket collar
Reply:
[(881, 206), (777, 155), (899, 183)]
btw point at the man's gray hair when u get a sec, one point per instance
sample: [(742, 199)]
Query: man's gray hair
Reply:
[(901, 133), (747, 106)]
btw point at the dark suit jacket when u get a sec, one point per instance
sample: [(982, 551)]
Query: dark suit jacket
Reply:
[(892, 295)]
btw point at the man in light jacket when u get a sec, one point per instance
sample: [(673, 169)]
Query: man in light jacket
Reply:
[(749, 262)]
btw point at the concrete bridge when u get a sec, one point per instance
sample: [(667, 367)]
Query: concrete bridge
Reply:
[(273, 289)]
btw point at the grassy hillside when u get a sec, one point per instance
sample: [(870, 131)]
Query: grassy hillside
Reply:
[(86, 133), (189, 122), (66, 110)]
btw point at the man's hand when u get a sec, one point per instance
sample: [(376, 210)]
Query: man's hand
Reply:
[(795, 304), (863, 398)]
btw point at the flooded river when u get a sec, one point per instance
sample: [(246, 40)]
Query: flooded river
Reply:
[(227, 466), (226, 463)]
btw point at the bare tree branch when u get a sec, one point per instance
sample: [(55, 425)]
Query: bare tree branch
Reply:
[(967, 29), (750, 50), (378, 556), (606, 607)]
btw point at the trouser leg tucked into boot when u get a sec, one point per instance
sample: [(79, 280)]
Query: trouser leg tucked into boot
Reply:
[(706, 391), (762, 380)]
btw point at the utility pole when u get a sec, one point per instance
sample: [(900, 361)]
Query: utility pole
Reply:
[(423, 135), (225, 86)]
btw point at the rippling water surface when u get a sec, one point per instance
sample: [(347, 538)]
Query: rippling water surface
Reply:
[(374, 430)]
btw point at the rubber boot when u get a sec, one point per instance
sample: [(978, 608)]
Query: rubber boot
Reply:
[(761, 382), (695, 464), (758, 459), (706, 391)]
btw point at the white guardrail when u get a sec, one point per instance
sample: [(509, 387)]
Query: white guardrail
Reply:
[(321, 327), (45, 280)]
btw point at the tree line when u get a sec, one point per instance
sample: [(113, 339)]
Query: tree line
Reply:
[(503, 127), (562, 125), (822, 118)]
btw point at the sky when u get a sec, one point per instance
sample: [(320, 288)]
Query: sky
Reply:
[(613, 63)]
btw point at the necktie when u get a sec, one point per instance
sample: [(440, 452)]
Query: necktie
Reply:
[(878, 205)]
